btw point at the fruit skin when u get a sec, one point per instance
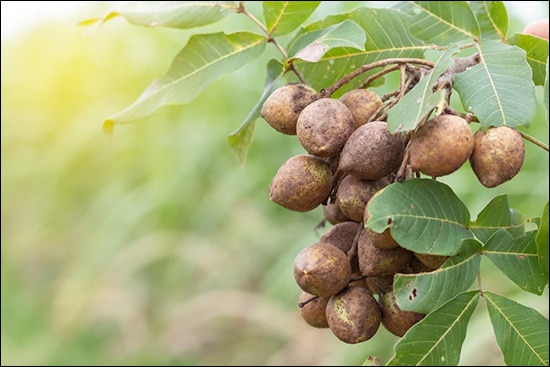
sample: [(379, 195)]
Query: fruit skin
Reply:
[(341, 235), (498, 155), (372, 152), (362, 103), (353, 315), (301, 184), (282, 108), (441, 145), (314, 312), (354, 193), (394, 319), (322, 269), (374, 261), (324, 126)]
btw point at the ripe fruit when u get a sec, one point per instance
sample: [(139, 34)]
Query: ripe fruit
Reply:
[(341, 235), (372, 152), (382, 240), (394, 319), (354, 193), (322, 269), (374, 261), (283, 106), (353, 315), (333, 214), (497, 156), (324, 126), (301, 183), (441, 145), (362, 103), (314, 311), (431, 261)]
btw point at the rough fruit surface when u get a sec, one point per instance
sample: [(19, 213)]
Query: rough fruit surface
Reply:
[(314, 311), (441, 145), (498, 155), (362, 103)]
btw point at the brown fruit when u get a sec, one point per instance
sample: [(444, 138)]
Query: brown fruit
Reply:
[(322, 269), (394, 319), (374, 261), (382, 240), (341, 235), (353, 315), (441, 145), (333, 214), (371, 152), (431, 261), (314, 312), (324, 126), (362, 103), (301, 184), (497, 156), (354, 193), (284, 105), (380, 284)]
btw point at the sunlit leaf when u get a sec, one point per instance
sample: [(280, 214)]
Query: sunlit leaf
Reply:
[(542, 242), (517, 258), (423, 215), (282, 17), (536, 50), (172, 14), (386, 35), (438, 338), (441, 22), (241, 139), (492, 18), (425, 292), (496, 215), (418, 102), (312, 46), (204, 60), (500, 89), (521, 332)]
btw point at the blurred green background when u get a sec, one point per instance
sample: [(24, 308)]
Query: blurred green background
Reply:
[(155, 247)]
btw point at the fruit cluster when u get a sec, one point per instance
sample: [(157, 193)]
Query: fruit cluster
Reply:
[(346, 277)]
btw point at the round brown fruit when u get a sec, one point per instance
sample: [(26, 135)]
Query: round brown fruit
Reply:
[(441, 145), (354, 193), (301, 184), (284, 105), (322, 269), (333, 214), (382, 240), (341, 235), (372, 152), (362, 103), (324, 126), (314, 310), (394, 319), (498, 155), (431, 261), (353, 315), (374, 261)]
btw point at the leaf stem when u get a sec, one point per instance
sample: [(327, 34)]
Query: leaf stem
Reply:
[(534, 140)]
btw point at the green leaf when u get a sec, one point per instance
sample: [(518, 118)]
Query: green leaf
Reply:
[(282, 17), (240, 139), (423, 215), (500, 89), (542, 242), (492, 18), (496, 215), (172, 14), (425, 292), (517, 259), (517, 224), (312, 46), (386, 37), (438, 338), (521, 332), (204, 60), (418, 102), (441, 22), (546, 93), (536, 50)]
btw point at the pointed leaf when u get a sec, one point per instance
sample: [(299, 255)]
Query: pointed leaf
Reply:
[(282, 17), (438, 338), (517, 259), (496, 215), (240, 139), (441, 22), (386, 36), (418, 102), (500, 89), (542, 242), (425, 292), (204, 60), (492, 18), (521, 332), (172, 14), (423, 215), (312, 46), (536, 49)]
